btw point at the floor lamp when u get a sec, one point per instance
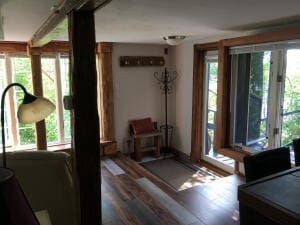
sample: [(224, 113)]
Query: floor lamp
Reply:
[(14, 207), (166, 80)]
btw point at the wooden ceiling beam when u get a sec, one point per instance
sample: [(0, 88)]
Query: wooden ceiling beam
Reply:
[(12, 47), (56, 23)]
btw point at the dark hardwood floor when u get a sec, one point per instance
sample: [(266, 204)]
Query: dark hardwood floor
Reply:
[(132, 195)]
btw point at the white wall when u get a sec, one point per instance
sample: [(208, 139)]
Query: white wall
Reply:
[(182, 59), (136, 92)]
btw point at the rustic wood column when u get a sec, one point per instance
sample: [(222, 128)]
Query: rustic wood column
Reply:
[(105, 90), (198, 144), (85, 136), (198, 107), (223, 99), (40, 127)]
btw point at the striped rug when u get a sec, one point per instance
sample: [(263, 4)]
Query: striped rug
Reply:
[(179, 175)]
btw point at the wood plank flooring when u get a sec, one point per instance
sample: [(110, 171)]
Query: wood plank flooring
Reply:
[(132, 195)]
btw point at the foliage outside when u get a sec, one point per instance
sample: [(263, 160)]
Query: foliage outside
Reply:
[(291, 123), (21, 70)]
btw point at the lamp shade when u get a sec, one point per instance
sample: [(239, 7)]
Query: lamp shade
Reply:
[(14, 207), (35, 111)]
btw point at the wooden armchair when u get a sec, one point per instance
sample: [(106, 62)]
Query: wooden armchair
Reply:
[(145, 129)]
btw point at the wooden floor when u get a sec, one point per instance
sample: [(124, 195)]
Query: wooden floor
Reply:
[(132, 195)]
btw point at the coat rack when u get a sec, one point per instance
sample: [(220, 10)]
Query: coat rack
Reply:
[(166, 80), (134, 61)]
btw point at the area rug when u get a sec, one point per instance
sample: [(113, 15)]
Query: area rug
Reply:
[(179, 175)]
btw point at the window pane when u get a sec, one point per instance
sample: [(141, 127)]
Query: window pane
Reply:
[(64, 68), (259, 95), (49, 74), (252, 99), (21, 70), (212, 81), (8, 133), (291, 104)]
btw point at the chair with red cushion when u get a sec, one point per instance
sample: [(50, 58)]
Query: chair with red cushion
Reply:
[(142, 129)]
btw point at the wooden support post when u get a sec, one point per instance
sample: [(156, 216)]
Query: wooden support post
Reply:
[(85, 136), (198, 106), (106, 108), (198, 144), (223, 99), (40, 127)]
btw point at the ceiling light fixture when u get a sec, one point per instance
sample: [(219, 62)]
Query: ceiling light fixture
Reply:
[(174, 40)]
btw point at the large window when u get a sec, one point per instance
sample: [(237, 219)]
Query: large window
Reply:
[(266, 106), (55, 78)]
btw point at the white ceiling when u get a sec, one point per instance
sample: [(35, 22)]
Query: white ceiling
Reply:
[(147, 21)]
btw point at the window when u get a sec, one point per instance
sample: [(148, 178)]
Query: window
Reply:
[(55, 73), (65, 89), (55, 79), (21, 73), (49, 77), (211, 80), (210, 101), (290, 115), (266, 105), (252, 95)]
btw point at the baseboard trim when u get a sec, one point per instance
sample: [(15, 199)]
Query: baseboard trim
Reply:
[(181, 155)]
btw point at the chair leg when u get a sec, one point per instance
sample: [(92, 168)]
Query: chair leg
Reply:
[(137, 149), (157, 144)]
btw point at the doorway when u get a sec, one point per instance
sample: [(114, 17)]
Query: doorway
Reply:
[(209, 152)]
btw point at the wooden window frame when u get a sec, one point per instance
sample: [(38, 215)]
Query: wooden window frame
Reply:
[(223, 116), (198, 100), (223, 126)]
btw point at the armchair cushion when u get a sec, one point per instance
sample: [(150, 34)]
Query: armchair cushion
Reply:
[(142, 126), (46, 180)]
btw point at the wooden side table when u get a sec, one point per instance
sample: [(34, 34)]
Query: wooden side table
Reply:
[(140, 151)]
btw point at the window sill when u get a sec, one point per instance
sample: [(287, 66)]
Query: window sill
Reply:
[(236, 154), (65, 147)]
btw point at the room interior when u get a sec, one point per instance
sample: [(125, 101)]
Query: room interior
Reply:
[(100, 95)]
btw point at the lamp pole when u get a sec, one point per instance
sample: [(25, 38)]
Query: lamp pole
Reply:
[(40, 109), (2, 118)]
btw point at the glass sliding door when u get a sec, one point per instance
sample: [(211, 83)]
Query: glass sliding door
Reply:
[(210, 99)]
